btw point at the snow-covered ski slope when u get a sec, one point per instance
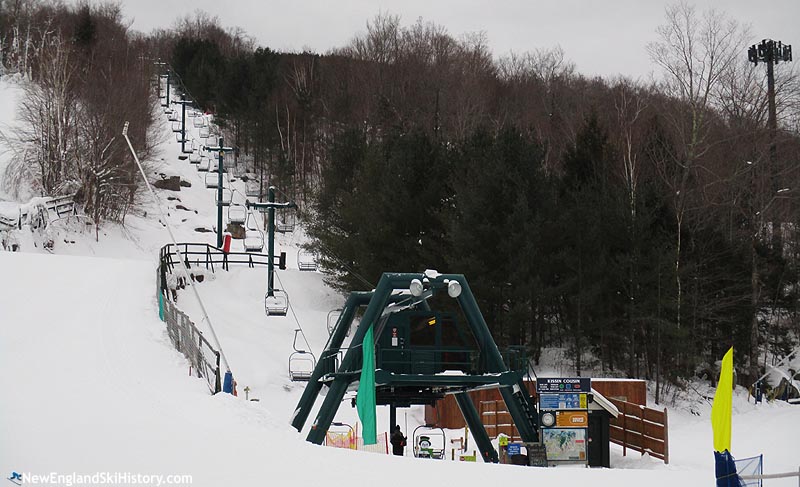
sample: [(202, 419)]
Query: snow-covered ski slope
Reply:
[(92, 383)]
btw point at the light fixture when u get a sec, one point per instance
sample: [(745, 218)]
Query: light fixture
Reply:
[(453, 289), (416, 287)]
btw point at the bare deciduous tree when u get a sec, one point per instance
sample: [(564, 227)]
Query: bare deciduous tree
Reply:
[(695, 51)]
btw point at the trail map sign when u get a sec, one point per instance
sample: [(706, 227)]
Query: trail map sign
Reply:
[(565, 444)]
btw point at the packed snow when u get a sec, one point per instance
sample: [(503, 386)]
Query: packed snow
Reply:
[(93, 383)]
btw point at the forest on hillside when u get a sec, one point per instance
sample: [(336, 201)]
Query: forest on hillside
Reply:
[(641, 226)]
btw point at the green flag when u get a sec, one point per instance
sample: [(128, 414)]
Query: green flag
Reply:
[(365, 401)]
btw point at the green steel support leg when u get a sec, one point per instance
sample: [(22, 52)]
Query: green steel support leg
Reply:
[(473, 420), (327, 411), (350, 363), (340, 331), (331, 349), (517, 406), (271, 243)]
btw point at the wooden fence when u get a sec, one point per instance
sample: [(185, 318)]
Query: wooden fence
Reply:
[(641, 429)]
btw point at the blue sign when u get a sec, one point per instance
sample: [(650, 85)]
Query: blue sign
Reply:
[(514, 449), (562, 401)]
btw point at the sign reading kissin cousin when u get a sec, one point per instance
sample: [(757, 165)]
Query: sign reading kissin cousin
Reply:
[(563, 384)]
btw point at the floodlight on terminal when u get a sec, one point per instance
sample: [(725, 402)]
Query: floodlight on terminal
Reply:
[(453, 289), (416, 287)]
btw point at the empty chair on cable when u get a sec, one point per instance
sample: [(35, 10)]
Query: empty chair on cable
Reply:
[(212, 180), (284, 220), (253, 236), (204, 132), (301, 362), (172, 116), (199, 121), (306, 261), (227, 196), (194, 158), (252, 188), (333, 319), (179, 138), (277, 304), (237, 214), (215, 165), (176, 126), (204, 164)]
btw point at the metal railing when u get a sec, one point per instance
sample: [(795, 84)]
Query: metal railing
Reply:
[(185, 336), (59, 205), (189, 340), (194, 346), (773, 476), (208, 256)]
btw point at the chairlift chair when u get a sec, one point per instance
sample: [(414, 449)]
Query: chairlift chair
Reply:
[(212, 180), (430, 442), (199, 121), (227, 196), (179, 138), (284, 220), (215, 165), (237, 214), (252, 188), (333, 317), (173, 116), (204, 132), (306, 260), (194, 158), (301, 362), (277, 304), (176, 126), (253, 237), (204, 164)]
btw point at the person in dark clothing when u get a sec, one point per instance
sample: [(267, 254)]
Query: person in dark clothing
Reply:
[(398, 441)]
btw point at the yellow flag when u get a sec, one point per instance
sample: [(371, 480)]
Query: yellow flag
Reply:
[(723, 404)]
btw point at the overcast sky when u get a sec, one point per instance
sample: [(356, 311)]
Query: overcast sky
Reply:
[(602, 37)]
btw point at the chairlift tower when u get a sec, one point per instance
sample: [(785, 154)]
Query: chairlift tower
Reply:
[(270, 206), (159, 64), (221, 149), (166, 102), (183, 102)]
